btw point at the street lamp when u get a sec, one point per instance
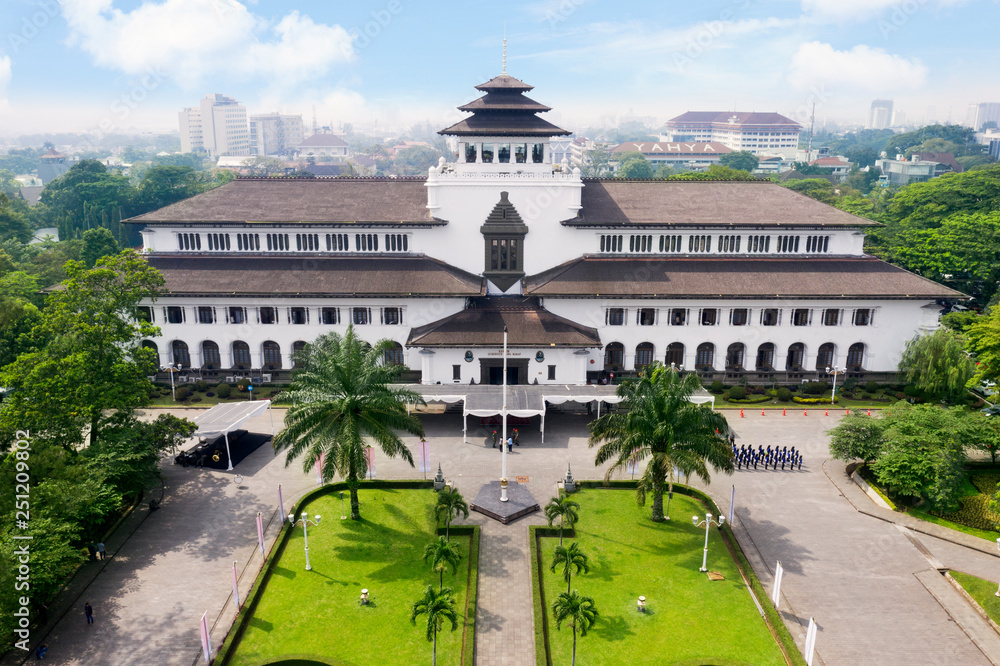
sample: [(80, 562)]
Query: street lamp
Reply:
[(833, 371), (304, 519), (172, 368), (998, 587), (707, 523)]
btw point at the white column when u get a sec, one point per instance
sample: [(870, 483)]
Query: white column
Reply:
[(546, 154), (479, 153), (461, 152)]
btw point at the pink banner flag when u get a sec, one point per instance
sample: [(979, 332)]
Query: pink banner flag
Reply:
[(424, 456), (281, 504), (322, 465), (236, 588), (371, 462), (260, 532), (630, 467), (206, 645), (319, 472)]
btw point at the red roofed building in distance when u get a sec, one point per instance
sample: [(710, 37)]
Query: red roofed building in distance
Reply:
[(696, 156), (757, 133)]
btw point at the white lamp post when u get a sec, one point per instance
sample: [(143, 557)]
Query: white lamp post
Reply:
[(833, 371), (503, 416), (304, 519), (173, 367), (707, 523), (998, 587)]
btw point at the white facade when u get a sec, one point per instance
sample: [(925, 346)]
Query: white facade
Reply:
[(757, 133), (192, 138), (222, 122), (880, 114), (275, 134)]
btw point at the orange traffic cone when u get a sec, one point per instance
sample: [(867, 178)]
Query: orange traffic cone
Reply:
[(848, 411), (869, 412), (741, 413), (762, 412), (783, 412), (827, 413), (805, 412)]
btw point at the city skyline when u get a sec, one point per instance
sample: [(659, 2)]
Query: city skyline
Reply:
[(109, 66)]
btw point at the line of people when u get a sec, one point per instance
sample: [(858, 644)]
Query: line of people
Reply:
[(746, 456)]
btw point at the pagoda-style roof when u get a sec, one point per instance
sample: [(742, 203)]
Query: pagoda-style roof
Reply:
[(504, 111), (482, 324)]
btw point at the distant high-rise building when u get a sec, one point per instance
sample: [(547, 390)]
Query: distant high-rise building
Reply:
[(218, 126), (982, 113), (880, 115), (898, 118), (757, 133), (275, 134)]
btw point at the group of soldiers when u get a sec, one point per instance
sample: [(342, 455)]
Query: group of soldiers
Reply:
[(745, 456)]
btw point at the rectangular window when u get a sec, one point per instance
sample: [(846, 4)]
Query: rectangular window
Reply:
[(175, 314), (614, 317), (552, 373), (800, 317), (646, 316), (739, 317), (470, 152), (206, 315), (521, 153), (268, 315), (144, 313), (298, 316), (709, 317), (770, 317), (361, 316), (678, 317), (456, 373), (392, 316), (237, 315), (831, 317), (863, 317), (330, 316)]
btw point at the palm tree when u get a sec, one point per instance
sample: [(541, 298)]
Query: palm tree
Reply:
[(450, 503), (438, 606), (443, 554), (659, 424), (564, 509), (576, 611), (571, 558), (341, 397)]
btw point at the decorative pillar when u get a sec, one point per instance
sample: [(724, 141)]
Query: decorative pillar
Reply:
[(546, 154), (479, 153)]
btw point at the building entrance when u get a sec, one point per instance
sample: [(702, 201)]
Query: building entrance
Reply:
[(492, 372)]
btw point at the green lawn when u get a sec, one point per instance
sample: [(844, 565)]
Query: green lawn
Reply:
[(204, 400), (983, 591), (690, 619), (316, 613)]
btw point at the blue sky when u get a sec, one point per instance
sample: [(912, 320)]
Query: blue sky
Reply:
[(78, 65)]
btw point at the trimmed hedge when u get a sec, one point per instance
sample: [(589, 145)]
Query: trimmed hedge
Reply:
[(751, 400), (814, 401)]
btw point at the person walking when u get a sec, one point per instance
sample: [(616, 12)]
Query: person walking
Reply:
[(100, 550), (88, 610), (92, 549)]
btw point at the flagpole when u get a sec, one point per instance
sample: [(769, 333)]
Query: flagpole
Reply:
[(503, 416)]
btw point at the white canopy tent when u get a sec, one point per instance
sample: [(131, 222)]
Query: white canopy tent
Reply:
[(225, 418)]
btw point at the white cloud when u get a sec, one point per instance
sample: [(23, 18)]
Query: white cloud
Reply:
[(191, 40), (817, 65), (843, 11)]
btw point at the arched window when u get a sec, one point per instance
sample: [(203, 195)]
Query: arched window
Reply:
[(705, 359), (394, 354), (825, 357), (181, 354), (796, 355), (272, 355), (614, 357), (856, 357), (675, 355), (297, 347), (735, 355), (149, 344), (765, 356), (210, 359), (241, 355), (643, 355)]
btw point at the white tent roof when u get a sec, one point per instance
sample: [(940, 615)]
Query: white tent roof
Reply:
[(228, 417)]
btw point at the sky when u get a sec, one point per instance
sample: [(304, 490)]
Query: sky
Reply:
[(106, 66)]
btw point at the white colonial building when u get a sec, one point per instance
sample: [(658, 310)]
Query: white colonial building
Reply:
[(588, 276)]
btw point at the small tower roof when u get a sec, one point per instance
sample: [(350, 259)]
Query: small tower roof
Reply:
[(504, 111)]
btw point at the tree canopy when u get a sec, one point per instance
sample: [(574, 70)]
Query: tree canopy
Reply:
[(938, 364), (742, 160)]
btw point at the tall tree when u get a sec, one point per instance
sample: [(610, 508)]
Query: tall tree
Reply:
[(576, 611), (439, 607), (742, 160), (597, 162), (341, 396), (443, 555), (97, 243), (984, 340), (659, 424), (938, 364), (450, 503), (563, 508), (571, 558), (857, 436)]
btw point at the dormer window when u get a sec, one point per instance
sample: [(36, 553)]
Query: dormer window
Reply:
[(504, 234)]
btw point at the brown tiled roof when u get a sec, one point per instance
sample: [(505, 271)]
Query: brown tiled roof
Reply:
[(861, 277), (482, 324), (363, 200), (324, 140), (486, 123), (504, 81), (505, 102), (314, 276), (742, 118), (613, 202)]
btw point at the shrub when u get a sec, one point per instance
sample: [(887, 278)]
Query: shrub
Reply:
[(183, 393), (814, 388), (871, 387), (784, 394), (758, 390), (224, 390), (737, 393), (200, 385), (814, 401), (717, 387), (726, 396), (196, 399), (210, 394)]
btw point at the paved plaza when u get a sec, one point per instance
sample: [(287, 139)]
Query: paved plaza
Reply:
[(872, 586)]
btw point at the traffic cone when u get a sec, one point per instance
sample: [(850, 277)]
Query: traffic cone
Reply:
[(783, 412), (827, 413), (805, 412), (848, 411), (869, 412), (762, 412), (741, 413)]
